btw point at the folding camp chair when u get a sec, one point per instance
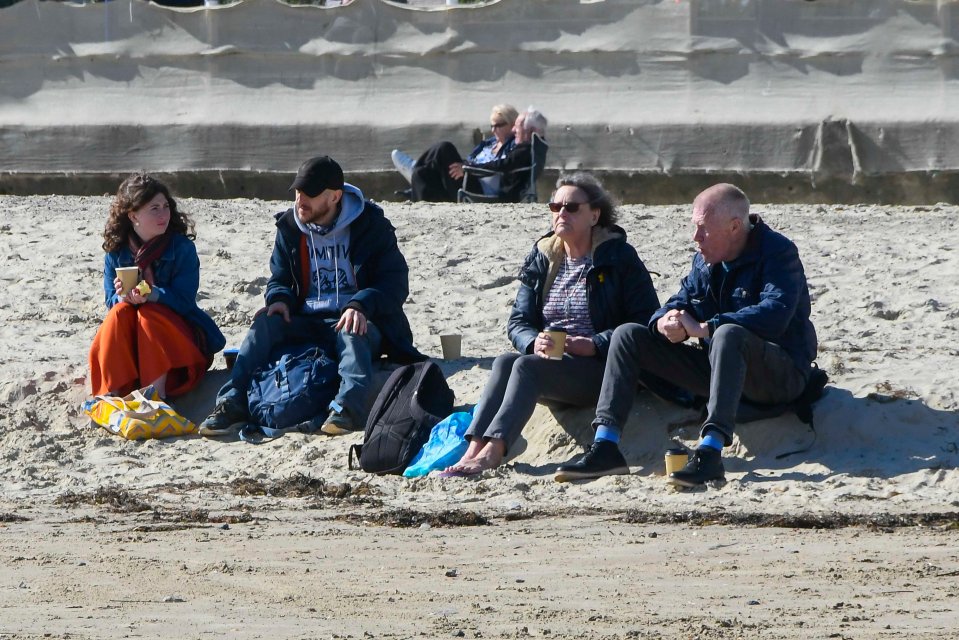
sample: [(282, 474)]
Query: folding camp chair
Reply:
[(539, 147)]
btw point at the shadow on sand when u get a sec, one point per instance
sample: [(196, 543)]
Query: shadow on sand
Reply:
[(866, 437)]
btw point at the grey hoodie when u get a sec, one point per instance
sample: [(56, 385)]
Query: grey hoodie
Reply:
[(332, 279)]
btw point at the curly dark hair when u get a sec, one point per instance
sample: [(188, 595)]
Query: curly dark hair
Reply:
[(134, 192), (595, 192)]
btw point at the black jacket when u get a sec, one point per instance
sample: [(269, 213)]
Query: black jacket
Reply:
[(382, 276), (618, 288)]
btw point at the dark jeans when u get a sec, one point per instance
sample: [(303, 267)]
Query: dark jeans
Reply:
[(431, 177), (738, 364), (354, 354), (518, 381)]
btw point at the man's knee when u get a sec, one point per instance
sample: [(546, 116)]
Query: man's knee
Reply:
[(630, 336), (267, 327), (730, 336)]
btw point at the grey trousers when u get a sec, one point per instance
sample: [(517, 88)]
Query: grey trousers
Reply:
[(738, 364), (518, 381)]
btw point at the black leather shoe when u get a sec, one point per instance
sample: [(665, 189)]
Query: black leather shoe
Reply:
[(603, 458), (705, 465)]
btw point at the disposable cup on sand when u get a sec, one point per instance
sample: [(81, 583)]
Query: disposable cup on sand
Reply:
[(452, 344)]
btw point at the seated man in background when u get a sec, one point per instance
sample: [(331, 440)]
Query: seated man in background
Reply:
[(747, 302), (336, 269)]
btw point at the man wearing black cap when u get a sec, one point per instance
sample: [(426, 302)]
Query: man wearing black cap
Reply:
[(335, 269)]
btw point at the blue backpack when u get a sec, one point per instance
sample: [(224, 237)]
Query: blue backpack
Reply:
[(295, 388)]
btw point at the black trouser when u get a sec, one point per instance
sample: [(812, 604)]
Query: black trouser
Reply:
[(738, 364), (431, 175)]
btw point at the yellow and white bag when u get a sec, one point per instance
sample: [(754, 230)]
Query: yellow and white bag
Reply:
[(138, 416)]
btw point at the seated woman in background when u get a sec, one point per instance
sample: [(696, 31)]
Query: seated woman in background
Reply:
[(431, 174), (161, 338), (582, 276)]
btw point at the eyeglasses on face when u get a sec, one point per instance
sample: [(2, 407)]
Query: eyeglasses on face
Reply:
[(497, 125), (572, 207)]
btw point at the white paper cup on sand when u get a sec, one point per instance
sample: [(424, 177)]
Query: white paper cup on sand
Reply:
[(452, 344)]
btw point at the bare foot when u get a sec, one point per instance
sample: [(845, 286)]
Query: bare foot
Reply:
[(475, 448), (490, 457)]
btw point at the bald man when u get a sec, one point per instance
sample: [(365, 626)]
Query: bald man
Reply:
[(738, 328)]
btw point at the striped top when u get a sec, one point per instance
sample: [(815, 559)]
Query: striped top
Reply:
[(566, 304)]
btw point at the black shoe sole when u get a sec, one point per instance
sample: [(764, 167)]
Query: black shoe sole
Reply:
[(208, 432), (689, 484), (567, 475)]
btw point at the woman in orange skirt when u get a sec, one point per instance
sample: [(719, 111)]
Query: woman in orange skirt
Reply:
[(156, 335)]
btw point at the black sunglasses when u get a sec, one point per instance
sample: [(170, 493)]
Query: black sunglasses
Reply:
[(572, 207)]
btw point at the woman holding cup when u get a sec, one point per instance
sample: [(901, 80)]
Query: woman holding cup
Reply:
[(154, 333), (580, 281)]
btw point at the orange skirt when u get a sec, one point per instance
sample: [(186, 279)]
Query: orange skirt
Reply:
[(136, 345)]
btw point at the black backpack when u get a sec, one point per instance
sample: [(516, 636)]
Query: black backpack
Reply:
[(412, 401)]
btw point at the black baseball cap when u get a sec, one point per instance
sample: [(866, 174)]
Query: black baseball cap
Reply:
[(317, 175)]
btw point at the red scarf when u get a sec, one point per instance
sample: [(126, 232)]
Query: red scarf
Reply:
[(146, 253)]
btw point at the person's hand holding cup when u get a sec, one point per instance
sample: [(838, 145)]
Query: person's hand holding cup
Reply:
[(550, 343), (128, 278)]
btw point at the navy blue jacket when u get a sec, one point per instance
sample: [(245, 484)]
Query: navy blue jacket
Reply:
[(512, 185), (764, 291), (382, 276), (618, 288), (176, 280)]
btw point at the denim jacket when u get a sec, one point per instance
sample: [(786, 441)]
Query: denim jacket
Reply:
[(764, 290), (176, 277)]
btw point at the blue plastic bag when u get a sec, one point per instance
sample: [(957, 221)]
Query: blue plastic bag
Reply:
[(445, 446)]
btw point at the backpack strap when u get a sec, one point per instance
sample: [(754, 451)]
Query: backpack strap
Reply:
[(257, 434), (416, 407), (355, 449)]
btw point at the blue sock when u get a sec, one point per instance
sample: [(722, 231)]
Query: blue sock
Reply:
[(713, 439), (607, 432)]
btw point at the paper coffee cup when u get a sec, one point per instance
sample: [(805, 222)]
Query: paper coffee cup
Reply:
[(128, 278), (676, 459), (558, 335), (229, 355), (452, 346)]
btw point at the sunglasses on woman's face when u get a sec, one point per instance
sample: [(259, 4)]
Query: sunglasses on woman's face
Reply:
[(572, 207), (497, 125)]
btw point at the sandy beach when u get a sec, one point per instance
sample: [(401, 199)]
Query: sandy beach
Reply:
[(855, 538)]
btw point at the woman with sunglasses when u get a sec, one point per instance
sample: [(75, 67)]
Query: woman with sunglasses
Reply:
[(437, 174), (582, 276), (154, 335)]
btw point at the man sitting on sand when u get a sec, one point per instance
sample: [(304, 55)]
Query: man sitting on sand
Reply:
[(747, 302), (335, 267)]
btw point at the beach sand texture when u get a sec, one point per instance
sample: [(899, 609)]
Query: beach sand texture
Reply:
[(886, 307)]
